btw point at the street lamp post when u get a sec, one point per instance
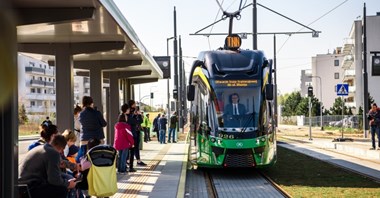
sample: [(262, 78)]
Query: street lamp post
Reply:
[(320, 92), (167, 53)]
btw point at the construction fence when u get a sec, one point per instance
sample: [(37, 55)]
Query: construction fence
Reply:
[(347, 121)]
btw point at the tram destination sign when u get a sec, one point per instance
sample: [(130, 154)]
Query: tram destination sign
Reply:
[(235, 83)]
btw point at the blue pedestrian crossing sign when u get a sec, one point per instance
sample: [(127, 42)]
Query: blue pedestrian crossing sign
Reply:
[(342, 89)]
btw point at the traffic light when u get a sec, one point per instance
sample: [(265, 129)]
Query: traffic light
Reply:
[(175, 93), (310, 91), (151, 95)]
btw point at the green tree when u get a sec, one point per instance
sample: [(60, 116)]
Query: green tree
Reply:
[(22, 117), (303, 107), (336, 109), (290, 103)]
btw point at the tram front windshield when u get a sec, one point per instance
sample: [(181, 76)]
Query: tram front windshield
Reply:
[(237, 107)]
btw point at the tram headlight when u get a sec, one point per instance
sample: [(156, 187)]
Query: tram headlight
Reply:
[(262, 139), (213, 140)]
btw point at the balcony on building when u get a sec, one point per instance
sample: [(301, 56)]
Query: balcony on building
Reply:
[(40, 96), (34, 82), (348, 46), (351, 90), (49, 84), (348, 60), (34, 70), (40, 109), (349, 75)]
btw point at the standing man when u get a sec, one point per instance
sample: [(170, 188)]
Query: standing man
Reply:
[(135, 120), (162, 127), (156, 126), (173, 127), (374, 122), (147, 127), (40, 170)]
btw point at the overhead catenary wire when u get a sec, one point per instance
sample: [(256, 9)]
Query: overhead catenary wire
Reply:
[(336, 7)]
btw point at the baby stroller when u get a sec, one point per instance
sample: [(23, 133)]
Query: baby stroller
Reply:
[(102, 179)]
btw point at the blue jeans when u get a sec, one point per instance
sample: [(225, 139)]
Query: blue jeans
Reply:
[(162, 136), (171, 133), (375, 130), (121, 164)]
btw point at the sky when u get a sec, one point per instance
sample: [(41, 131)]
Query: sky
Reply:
[(153, 23)]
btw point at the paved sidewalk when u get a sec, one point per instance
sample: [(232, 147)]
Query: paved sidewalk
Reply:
[(164, 175)]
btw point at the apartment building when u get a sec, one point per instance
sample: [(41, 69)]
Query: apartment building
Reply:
[(353, 60), (36, 87), (326, 73)]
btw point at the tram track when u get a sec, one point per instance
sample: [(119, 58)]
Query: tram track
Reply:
[(211, 190), (275, 185), (226, 183)]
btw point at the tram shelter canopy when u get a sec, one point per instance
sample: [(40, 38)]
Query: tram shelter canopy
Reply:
[(96, 31), (86, 34)]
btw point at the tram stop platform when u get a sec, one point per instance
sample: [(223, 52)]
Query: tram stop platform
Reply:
[(165, 173), (354, 155)]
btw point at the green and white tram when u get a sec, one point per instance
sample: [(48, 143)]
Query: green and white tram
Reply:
[(232, 112)]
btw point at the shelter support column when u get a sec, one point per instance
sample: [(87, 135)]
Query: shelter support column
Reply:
[(96, 87), (114, 106), (8, 102), (64, 87)]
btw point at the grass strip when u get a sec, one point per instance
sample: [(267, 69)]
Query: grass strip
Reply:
[(304, 176)]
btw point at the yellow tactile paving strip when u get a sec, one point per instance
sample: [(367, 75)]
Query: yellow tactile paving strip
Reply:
[(140, 183)]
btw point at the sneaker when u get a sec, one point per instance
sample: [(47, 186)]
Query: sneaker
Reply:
[(174, 141), (372, 149), (132, 170), (169, 141), (141, 164), (122, 173), (378, 148)]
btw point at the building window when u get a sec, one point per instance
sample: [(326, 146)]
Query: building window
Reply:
[(336, 75), (32, 103), (38, 90), (336, 63), (45, 91), (32, 90)]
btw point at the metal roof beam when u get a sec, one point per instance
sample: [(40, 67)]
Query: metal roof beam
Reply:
[(28, 16), (142, 81), (75, 48), (128, 74), (105, 64)]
